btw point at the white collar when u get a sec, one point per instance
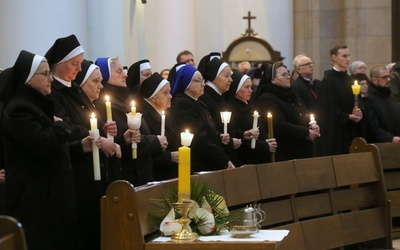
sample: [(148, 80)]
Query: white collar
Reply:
[(66, 83)]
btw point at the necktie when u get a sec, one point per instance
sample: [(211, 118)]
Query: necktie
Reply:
[(311, 86)]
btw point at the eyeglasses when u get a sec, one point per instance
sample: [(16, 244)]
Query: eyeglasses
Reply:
[(284, 75), (46, 74), (307, 64), (383, 77)]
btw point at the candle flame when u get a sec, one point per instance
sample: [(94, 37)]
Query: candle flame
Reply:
[(269, 114), (255, 113), (107, 98), (93, 115), (187, 130), (133, 103), (355, 82), (162, 112)]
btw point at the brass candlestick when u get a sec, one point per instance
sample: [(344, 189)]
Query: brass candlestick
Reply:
[(184, 235)]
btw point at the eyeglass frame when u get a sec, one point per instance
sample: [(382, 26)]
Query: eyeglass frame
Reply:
[(307, 64), (46, 74), (287, 74), (383, 77)]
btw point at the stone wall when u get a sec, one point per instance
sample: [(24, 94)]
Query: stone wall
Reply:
[(363, 25)]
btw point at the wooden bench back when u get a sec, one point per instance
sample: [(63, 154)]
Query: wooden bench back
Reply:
[(12, 236), (390, 158), (326, 202)]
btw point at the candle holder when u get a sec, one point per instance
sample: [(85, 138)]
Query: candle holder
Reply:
[(184, 235), (134, 122)]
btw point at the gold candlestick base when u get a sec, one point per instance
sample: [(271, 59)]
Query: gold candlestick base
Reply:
[(184, 234)]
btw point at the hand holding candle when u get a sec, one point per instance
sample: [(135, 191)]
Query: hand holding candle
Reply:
[(255, 123), (94, 132), (225, 118), (312, 122), (184, 166), (109, 116)]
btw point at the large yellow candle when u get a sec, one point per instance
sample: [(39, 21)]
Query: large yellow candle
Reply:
[(184, 166), (184, 173), (108, 109), (356, 88), (133, 108)]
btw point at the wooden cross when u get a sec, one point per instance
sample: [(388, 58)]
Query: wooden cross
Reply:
[(249, 31)]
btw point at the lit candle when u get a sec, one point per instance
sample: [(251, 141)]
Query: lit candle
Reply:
[(270, 126), (356, 88), (95, 150), (312, 121), (225, 118), (255, 121), (109, 116), (271, 132), (184, 166), (162, 123), (133, 108), (356, 91), (134, 122), (108, 109)]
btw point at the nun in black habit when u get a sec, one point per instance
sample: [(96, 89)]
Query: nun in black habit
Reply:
[(238, 98), (217, 75), (90, 191), (137, 171), (39, 188), (155, 98), (137, 73), (291, 119), (190, 113)]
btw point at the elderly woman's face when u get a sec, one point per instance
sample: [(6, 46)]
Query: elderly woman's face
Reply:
[(196, 87), (41, 80), (144, 74), (223, 80), (282, 78), (361, 68), (69, 69), (162, 100), (364, 87), (118, 75), (93, 85), (245, 91)]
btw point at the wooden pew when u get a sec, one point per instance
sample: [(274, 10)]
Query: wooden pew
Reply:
[(326, 203), (12, 236), (390, 157)]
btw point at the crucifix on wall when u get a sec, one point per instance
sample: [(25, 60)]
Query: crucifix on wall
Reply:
[(249, 31)]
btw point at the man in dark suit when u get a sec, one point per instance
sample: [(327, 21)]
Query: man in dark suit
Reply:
[(306, 86)]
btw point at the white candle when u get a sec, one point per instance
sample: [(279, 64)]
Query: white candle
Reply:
[(255, 123), (225, 118), (109, 116), (95, 150), (162, 123), (134, 122), (312, 121)]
